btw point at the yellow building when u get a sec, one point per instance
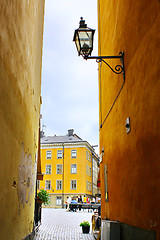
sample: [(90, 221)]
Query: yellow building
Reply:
[(129, 122), (21, 39), (70, 166)]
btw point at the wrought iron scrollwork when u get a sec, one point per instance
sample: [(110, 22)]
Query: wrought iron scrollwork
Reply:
[(118, 69)]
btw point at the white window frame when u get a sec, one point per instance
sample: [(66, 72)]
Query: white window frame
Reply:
[(73, 153), (49, 166), (59, 167), (47, 182), (58, 184), (73, 168), (59, 154), (58, 201), (48, 154), (73, 182)]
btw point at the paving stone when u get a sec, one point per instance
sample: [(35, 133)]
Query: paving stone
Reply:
[(58, 224)]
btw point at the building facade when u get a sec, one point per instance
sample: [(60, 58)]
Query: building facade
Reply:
[(70, 167), (130, 166), (21, 40)]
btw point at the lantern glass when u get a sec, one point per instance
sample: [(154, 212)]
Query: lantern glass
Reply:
[(85, 39)]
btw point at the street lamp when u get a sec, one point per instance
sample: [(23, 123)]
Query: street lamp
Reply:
[(83, 38)]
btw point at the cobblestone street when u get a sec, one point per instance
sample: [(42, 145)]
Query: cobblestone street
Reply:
[(62, 225)]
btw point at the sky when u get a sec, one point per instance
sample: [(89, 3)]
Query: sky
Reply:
[(69, 83)]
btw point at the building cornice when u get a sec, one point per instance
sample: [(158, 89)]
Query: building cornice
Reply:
[(67, 145)]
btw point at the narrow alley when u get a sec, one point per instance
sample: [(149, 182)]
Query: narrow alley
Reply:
[(57, 224)]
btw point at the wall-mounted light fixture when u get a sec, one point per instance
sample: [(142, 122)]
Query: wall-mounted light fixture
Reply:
[(127, 125), (83, 38)]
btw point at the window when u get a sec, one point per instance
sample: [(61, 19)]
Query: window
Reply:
[(38, 184), (59, 185), (90, 172), (48, 184), (49, 154), (58, 201), (48, 169), (73, 184), (59, 168), (86, 154), (59, 153), (88, 185), (73, 153), (73, 168)]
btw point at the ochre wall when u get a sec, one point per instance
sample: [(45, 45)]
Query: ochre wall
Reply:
[(20, 86), (133, 159)]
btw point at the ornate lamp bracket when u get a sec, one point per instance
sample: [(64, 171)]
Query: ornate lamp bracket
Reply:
[(118, 68)]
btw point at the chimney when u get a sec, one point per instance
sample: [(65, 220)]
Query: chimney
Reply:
[(70, 132)]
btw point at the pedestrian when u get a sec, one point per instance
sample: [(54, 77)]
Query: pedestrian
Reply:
[(84, 199), (80, 203), (68, 202), (93, 200), (77, 199), (74, 206)]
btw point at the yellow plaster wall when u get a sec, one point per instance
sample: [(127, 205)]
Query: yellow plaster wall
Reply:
[(20, 86), (133, 159)]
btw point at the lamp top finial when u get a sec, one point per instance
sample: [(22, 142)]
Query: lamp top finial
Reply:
[(82, 23)]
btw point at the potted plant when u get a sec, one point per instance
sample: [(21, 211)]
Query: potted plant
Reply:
[(85, 226), (43, 195)]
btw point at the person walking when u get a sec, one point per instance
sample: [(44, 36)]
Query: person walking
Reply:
[(80, 199), (68, 202), (84, 199)]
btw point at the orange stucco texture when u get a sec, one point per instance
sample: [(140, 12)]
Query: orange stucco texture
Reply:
[(133, 159)]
